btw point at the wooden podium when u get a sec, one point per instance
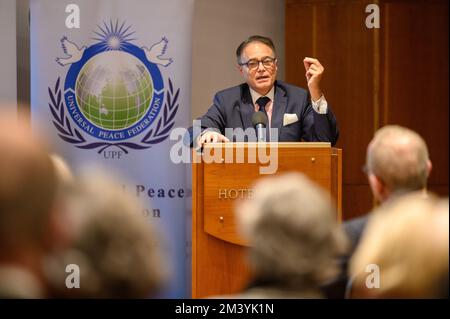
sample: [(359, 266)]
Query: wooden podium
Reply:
[(223, 174)]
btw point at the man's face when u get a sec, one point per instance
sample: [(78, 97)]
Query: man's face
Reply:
[(261, 78)]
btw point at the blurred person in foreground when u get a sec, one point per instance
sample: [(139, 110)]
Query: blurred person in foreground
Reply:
[(29, 214), (293, 237), (114, 246), (397, 163), (408, 240)]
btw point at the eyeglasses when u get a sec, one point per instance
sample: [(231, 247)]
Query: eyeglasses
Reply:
[(267, 62)]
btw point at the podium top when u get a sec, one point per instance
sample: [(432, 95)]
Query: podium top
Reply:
[(270, 144)]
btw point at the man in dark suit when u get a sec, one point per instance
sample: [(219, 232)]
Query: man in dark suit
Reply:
[(296, 113)]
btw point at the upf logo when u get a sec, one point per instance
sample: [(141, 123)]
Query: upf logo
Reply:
[(113, 93)]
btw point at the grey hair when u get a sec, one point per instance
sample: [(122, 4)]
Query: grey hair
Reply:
[(399, 157), (292, 230), (118, 250), (254, 38)]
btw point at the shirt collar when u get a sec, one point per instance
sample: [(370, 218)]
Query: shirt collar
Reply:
[(256, 95)]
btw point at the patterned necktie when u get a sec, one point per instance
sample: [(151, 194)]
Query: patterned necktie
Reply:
[(262, 102)]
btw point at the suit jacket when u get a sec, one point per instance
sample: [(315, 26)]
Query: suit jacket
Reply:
[(233, 108), (354, 229)]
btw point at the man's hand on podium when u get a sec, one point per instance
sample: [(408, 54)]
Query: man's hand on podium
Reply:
[(210, 137)]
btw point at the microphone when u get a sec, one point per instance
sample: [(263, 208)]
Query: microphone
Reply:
[(259, 121)]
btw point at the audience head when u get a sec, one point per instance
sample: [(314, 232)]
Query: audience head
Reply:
[(29, 226), (114, 246), (252, 39), (291, 228), (28, 187), (408, 241), (257, 62), (397, 161)]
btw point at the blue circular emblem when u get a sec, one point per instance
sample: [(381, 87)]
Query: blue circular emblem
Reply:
[(113, 92)]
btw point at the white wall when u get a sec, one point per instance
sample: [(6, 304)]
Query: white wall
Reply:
[(219, 27), (8, 67)]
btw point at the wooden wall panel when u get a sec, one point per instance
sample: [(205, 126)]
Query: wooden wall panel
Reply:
[(345, 83), (358, 200), (299, 41), (324, 30), (439, 189), (415, 43), (397, 74)]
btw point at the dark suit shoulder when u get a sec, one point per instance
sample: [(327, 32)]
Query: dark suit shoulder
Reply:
[(242, 89), (290, 88), (354, 229)]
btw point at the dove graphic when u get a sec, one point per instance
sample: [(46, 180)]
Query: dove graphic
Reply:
[(73, 52), (155, 53)]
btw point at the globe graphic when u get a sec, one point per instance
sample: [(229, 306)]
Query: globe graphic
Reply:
[(114, 90)]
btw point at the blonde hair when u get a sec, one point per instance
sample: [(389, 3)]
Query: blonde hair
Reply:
[(408, 241)]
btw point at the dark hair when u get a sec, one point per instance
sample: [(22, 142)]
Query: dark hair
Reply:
[(254, 38)]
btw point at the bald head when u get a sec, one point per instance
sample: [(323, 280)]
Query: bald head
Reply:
[(398, 157), (27, 185)]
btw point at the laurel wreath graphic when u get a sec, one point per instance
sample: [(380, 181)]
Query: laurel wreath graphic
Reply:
[(72, 135)]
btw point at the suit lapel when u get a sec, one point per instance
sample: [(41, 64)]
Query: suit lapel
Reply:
[(279, 108), (246, 106)]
